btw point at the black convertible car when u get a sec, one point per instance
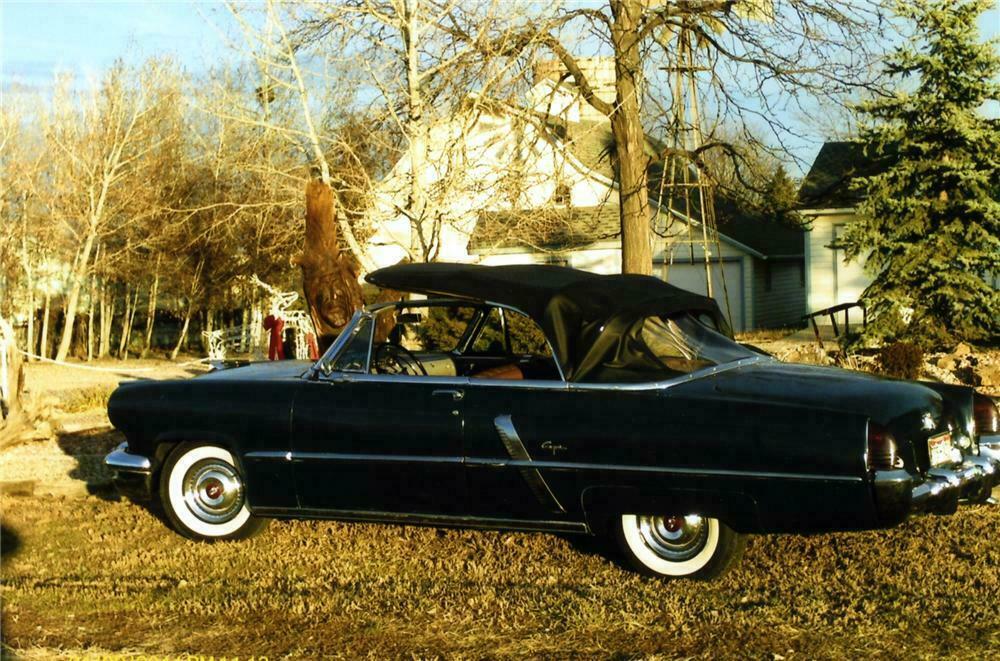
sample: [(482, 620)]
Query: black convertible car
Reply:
[(545, 398)]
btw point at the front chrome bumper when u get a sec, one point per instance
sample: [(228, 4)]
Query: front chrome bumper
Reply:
[(133, 473), (120, 459)]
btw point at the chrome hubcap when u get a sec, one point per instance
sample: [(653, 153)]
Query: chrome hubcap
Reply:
[(213, 491), (674, 538)]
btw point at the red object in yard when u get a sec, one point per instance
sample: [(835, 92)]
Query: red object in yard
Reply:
[(313, 347), (275, 350)]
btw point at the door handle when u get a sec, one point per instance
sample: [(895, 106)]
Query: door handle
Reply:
[(456, 395)]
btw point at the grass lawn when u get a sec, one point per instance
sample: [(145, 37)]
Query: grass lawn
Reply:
[(96, 574)]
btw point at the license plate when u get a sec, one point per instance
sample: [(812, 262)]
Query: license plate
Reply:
[(939, 448)]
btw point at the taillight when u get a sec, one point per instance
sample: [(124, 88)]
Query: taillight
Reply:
[(882, 451), (984, 412)]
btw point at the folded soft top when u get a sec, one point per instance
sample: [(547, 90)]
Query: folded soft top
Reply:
[(578, 311)]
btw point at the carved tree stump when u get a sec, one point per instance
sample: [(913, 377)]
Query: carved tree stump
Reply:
[(329, 276)]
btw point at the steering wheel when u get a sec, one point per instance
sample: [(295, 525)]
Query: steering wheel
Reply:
[(391, 358)]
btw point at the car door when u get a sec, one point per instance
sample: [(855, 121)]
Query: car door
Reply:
[(377, 443)]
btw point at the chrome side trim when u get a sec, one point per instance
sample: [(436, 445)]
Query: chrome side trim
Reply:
[(427, 519), (344, 456), (522, 461), (548, 465), (676, 381), (121, 460)]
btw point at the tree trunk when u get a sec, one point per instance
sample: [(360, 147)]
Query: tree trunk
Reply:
[(184, 331), (128, 320), (151, 311), (206, 327), (11, 383), (107, 317), (43, 346), (29, 281), (81, 264), (90, 319), (421, 245), (626, 126)]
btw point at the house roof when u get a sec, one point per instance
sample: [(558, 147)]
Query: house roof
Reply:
[(828, 184), (569, 228), (545, 228)]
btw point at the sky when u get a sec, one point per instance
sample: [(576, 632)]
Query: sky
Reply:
[(39, 38)]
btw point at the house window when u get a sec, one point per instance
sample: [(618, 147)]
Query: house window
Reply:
[(562, 195)]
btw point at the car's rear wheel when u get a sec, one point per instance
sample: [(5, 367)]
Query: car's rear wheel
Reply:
[(203, 494), (689, 546)]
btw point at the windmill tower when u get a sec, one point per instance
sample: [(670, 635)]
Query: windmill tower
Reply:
[(685, 188)]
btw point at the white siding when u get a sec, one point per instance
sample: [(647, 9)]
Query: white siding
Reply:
[(830, 279)]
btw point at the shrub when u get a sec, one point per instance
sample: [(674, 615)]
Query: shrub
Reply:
[(901, 360)]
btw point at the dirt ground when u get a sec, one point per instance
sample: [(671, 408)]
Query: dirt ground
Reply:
[(84, 573)]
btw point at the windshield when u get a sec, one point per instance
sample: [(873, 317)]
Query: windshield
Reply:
[(657, 348)]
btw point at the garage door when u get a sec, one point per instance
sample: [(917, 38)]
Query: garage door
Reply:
[(692, 278)]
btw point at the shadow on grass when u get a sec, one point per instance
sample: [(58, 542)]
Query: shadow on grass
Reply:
[(10, 542)]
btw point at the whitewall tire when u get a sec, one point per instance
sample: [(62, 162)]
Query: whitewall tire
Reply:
[(689, 546), (203, 494)]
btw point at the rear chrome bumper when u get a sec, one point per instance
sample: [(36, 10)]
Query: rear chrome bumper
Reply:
[(898, 493), (133, 473)]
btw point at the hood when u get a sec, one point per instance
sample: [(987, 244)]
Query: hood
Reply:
[(277, 369), (881, 399)]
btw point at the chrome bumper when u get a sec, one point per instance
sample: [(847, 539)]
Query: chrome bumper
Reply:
[(989, 447), (899, 493), (941, 490), (120, 459), (133, 473)]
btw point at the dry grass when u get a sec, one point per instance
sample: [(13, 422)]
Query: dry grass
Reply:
[(87, 399), (94, 574), (91, 576)]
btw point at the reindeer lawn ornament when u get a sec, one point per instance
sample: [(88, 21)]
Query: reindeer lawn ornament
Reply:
[(329, 276)]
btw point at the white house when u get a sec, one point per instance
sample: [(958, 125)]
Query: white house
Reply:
[(828, 200), (537, 184)]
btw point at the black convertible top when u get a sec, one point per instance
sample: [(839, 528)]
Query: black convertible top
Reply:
[(583, 314)]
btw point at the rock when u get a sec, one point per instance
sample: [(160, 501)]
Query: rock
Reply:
[(18, 488), (810, 355), (947, 363), (989, 375), (962, 349)]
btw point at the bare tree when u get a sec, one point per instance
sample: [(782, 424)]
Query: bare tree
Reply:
[(101, 143), (757, 60)]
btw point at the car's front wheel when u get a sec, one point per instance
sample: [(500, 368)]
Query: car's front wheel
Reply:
[(203, 495), (689, 546)]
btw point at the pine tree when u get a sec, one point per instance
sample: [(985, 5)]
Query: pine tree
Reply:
[(930, 222), (779, 197)]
